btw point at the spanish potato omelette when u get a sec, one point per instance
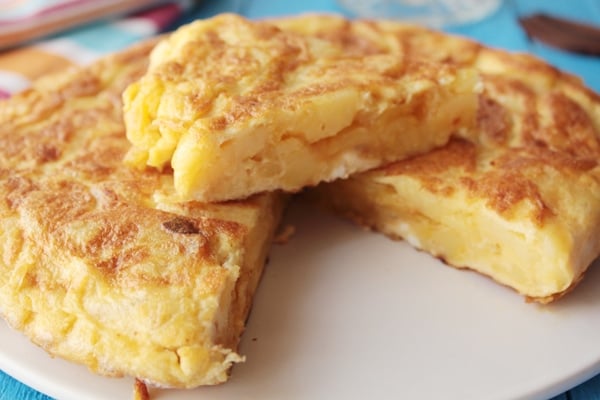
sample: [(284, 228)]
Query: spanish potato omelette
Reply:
[(521, 202), (94, 266), (98, 266), (237, 107)]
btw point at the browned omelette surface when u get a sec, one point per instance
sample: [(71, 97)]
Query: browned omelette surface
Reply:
[(237, 107), (522, 202), (94, 266)]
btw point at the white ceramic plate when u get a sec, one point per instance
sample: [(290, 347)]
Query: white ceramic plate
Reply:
[(344, 313)]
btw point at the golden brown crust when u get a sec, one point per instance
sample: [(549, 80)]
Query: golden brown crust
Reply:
[(266, 59), (430, 167), (95, 266)]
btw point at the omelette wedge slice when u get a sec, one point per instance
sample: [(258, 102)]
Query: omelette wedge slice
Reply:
[(521, 203), (97, 269), (237, 107)]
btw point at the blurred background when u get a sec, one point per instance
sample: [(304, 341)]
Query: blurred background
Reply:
[(77, 31)]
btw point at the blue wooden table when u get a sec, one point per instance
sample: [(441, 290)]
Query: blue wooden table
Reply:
[(499, 30)]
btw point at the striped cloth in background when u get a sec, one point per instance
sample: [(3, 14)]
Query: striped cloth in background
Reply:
[(21, 65)]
